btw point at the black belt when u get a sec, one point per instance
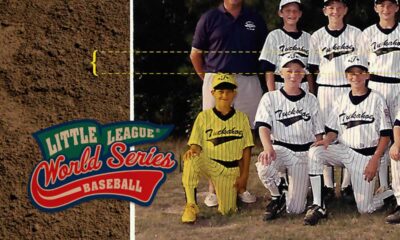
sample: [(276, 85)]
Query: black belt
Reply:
[(227, 164), (365, 151), (335, 86), (380, 79), (279, 79), (294, 147)]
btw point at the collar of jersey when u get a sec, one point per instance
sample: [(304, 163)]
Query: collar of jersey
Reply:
[(224, 117), (293, 98), (387, 31), (335, 33), (294, 35), (358, 99), (222, 9)]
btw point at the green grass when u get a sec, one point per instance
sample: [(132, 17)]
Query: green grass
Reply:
[(162, 219)]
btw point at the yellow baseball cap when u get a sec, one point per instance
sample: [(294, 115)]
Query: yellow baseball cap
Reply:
[(224, 81)]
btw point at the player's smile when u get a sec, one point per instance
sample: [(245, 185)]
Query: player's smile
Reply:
[(357, 77), (386, 10), (335, 11), (290, 13)]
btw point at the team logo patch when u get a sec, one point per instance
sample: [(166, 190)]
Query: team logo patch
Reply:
[(293, 49), (355, 119), (385, 47), (84, 160), (337, 51), (224, 135), (290, 117), (249, 25)]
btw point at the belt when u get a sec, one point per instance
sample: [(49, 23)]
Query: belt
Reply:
[(294, 147), (365, 151), (279, 79), (380, 79), (227, 164), (335, 86)]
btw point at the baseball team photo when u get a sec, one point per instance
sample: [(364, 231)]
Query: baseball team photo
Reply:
[(286, 116)]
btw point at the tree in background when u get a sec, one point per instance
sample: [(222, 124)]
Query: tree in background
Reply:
[(168, 25)]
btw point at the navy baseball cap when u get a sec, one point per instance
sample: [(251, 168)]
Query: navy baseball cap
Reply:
[(326, 2), (381, 1)]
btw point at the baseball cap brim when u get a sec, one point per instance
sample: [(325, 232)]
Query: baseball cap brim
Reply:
[(294, 61), (330, 1), (284, 3), (356, 65), (381, 1), (225, 85)]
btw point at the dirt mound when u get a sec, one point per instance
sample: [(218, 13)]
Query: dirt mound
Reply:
[(45, 79)]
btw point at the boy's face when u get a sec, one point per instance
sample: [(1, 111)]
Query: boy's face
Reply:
[(386, 10), (357, 77), (293, 73), (290, 13), (335, 11), (224, 96)]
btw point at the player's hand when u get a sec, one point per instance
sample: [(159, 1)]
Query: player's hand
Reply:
[(267, 156), (190, 153), (371, 168), (322, 142), (240, 183), (395, 152)]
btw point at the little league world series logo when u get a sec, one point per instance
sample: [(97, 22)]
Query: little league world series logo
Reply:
[(84, 160)]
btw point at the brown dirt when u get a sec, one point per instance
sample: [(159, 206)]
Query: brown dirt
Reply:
[(45, 79)]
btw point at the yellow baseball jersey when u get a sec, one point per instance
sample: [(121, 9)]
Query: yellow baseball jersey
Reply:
[(222, 137)]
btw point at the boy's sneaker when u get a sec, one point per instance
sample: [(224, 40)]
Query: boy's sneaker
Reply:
[(314, 214), (190, 212), (348, 195), (211, 200), (328, 194), (394, 218), (275, 208), (247, 197)]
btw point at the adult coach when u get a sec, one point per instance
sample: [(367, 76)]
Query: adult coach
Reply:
[(228, 39)]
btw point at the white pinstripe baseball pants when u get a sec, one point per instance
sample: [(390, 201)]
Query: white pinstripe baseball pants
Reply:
[(297, 166), (343, 156), (395, 167)]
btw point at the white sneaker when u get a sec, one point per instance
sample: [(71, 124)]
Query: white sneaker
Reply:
[(211, 200), (247, 197)]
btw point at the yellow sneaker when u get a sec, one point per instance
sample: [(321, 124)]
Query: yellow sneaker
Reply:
[(190, 212)]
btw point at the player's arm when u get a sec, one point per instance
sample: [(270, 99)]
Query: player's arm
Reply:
[(395, 149), (270, 81), (311, 78), (373, 163), (196, 56), (268, 154), (330, 136), (244, 165)]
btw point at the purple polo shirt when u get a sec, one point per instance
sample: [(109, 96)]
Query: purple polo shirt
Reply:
[(218, 30)]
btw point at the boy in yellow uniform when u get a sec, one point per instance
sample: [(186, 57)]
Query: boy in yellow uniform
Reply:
[(220, 148)]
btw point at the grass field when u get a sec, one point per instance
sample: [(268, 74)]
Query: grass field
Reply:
[(162, 219)]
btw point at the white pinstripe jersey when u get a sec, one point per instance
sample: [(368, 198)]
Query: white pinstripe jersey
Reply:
[(278, 43), (359, 125), (293, 121), (382, 50), (329, 53), (222, 137)]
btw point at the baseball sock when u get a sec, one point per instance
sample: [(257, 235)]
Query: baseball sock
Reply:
[(190, 194), (316, 186), (345, 178), (328, 176), (273, 188)]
